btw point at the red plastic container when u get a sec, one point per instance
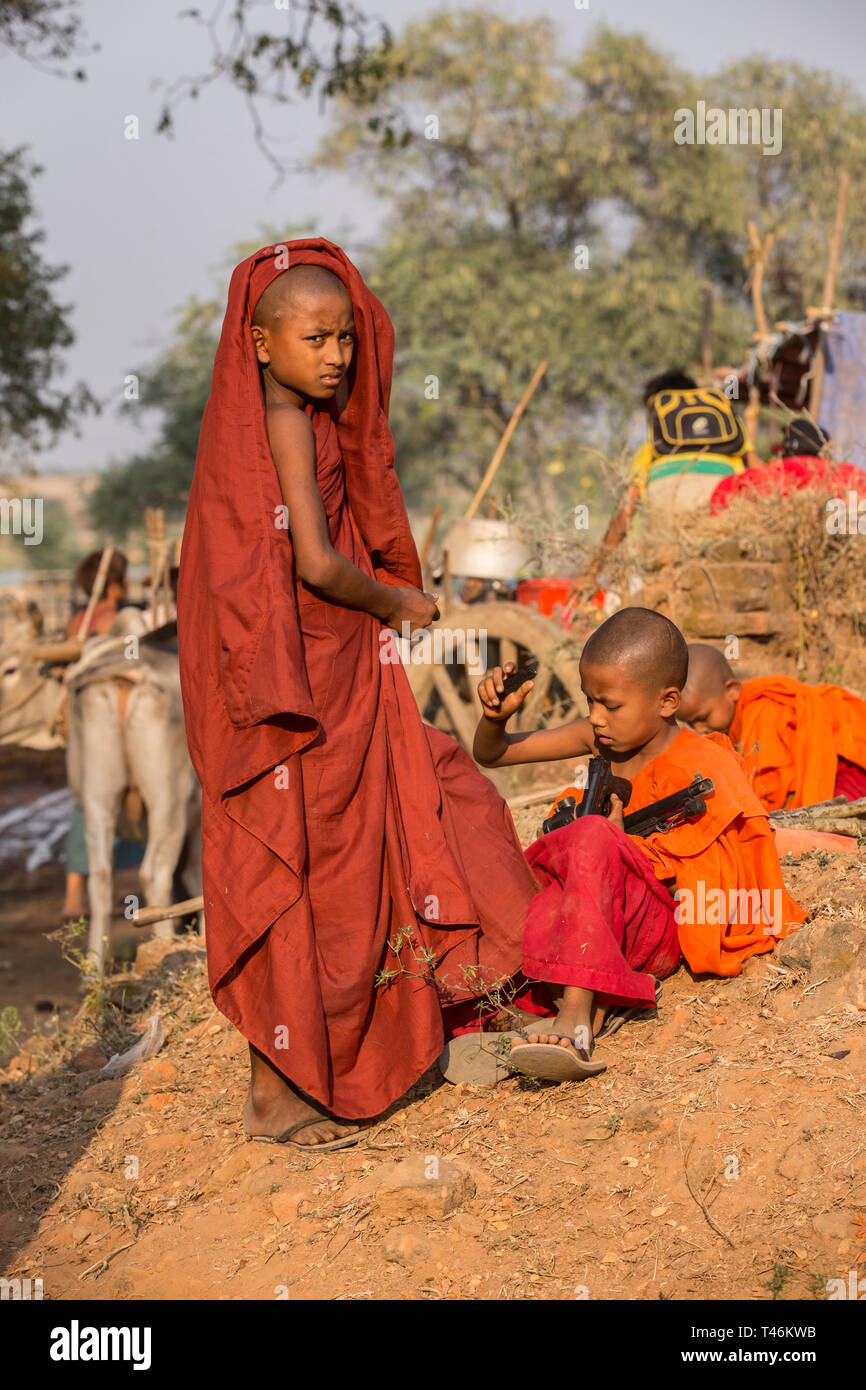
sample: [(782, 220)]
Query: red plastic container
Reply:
[(543, 594)]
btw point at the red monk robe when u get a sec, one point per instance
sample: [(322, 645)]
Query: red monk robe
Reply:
[(332, 818), (801, 743), (605, 922)]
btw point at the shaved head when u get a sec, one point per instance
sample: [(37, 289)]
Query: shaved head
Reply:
[(711, 692), (708, 669), (648, 647), (299, 286)]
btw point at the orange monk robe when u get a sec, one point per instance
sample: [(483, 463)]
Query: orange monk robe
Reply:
[(731, 901), (792, 737)]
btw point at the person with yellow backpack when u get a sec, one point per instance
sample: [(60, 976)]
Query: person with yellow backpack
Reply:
[(695, 440)]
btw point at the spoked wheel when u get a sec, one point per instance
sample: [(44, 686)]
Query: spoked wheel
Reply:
[(446, 685)]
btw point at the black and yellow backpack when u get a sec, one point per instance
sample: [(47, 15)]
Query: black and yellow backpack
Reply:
[(692, 422)]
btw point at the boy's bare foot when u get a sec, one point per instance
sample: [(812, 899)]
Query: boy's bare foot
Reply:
[(577, 1021), (561, 1051), (274, 1106), (574, 1035)]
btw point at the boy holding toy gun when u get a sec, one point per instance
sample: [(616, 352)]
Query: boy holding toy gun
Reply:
[(605, 926)]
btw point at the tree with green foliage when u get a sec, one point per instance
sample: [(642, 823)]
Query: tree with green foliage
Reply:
[(43, 31), (36, 327), (539, 207), (311, 48)]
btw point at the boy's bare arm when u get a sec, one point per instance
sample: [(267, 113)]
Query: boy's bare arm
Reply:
[(293, 447), (493, 747)]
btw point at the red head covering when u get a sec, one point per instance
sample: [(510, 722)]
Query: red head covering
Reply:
[(237, 613)]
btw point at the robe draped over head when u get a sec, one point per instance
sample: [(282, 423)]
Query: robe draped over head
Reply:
[(793, 736), (732, 902), (333, 820), (237, 603)]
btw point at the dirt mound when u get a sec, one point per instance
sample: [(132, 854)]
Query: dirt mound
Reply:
[(719, 1156)]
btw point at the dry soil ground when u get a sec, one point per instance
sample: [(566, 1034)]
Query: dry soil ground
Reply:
[(721, 1155)]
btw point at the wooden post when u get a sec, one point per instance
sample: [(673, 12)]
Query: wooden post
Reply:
[(826, 307), (503, 443), (158, 546), (707, 337), (760, 253), (836, 241), (752, 413), (146, 916)]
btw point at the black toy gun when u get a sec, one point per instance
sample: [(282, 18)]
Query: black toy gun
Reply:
[(686, 804), (600, 782)]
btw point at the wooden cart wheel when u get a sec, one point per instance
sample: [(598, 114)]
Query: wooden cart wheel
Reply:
[(445, 689)]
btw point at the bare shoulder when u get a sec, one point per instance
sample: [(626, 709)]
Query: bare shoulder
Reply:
[(291, 437), (289, 424)]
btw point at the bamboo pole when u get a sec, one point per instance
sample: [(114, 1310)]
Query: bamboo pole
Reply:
[(96, 592), (428, 539), (504, 441)]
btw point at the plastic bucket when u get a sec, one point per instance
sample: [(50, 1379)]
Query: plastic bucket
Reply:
[(544, 594)]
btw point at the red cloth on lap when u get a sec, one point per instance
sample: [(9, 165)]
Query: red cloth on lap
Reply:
[(850, 780), (603, 920)]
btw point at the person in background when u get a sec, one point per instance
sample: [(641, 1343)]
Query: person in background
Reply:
[(682, 481), (801, 743), (114, 594), (804, 463)]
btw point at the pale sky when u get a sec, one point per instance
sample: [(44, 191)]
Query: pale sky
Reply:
[(144, 224)]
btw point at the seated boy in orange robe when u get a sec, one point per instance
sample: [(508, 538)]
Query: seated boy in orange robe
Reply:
[(801, 743), (605, 927)]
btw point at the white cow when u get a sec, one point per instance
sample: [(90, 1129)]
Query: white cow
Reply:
[(125, 730)]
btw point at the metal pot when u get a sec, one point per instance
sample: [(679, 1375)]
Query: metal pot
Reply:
[(485, 549)]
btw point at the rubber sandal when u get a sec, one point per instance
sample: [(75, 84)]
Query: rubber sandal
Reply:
[(286, 1136), (477, 1059), (548, 1062), (615, 1018)]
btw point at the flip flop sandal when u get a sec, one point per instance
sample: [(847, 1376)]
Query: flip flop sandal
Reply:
[(552, 1063), (615, 1018), (476, 1059), (286, 1137)]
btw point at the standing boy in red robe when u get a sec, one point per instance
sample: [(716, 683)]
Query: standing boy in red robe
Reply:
[(605, 928), (342, 839)]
